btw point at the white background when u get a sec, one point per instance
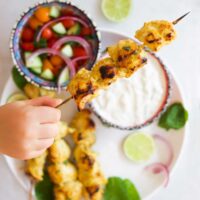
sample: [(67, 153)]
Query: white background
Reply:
[(182, 58)]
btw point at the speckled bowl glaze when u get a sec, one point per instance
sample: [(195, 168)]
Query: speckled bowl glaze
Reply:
[(157, 114), (15, 47)]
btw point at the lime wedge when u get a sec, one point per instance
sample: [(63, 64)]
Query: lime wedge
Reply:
[(116, 10), (16, 97), (139, 147)]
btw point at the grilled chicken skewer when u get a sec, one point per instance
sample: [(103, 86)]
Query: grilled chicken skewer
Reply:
[(124, 59), (89, 171)]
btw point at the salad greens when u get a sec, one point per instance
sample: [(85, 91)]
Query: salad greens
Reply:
[(119, 189), (175, 117), (44, 189), (19, 80)]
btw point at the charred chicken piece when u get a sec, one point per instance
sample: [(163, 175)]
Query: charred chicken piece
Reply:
[(35, 166), (156, 34), (61, 173), (84, 128), (104, 72), (83, 88), (129, 57), (59, 152), (72, 190)]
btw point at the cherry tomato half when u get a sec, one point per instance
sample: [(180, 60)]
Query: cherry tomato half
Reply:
[(67, 12), (47, 34), (68, 23), (27, 34), (34, 23), (27, 46), (86, 31), (51, 42), (42, 14), (47, 65), (56, 61), (79, 51)]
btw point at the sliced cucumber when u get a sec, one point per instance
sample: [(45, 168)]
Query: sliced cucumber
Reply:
[(35, 62), (36, 70), (55, 11), (67, 51), (17, 97), (47, 74), (75, 30), (64, 77), (59, 28)]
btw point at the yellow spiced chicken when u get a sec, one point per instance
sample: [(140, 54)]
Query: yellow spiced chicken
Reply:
[(35, 166), (61, 173), (84, 128), (128, 56), (104, 72), (156, 34), (83, 87), (70, 190), (89, 171)]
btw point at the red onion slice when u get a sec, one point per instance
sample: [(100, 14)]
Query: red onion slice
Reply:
[(58, 20), (75, 60), (159, 167), (55, 52), (84, 43), (169, 147)]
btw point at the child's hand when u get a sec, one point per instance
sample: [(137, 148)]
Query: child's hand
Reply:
[(28, 128)]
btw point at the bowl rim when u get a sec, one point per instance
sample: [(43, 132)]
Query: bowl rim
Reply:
[(25, 12), (164, 104)]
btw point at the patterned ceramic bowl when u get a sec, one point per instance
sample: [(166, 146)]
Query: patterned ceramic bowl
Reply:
[(111, 108), (16, 48)]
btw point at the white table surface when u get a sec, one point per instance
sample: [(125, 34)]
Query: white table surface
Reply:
[(182, 57)]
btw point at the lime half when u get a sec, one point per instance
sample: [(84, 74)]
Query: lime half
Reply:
[(116, 10), (17, 97), (139, 147)]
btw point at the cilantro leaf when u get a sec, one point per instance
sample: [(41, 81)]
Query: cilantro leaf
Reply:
[(174, 117), (19, 80), (44, 189), (118, 189)]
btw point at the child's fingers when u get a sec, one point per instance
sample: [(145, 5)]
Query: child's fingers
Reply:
[(46, 114), (48, 131), (34, 154), (44, 144), (45, 101)]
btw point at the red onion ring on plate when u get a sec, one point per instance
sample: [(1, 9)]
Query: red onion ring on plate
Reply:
[(169, 147), (55, 52), (84, 43), (159, 167), (58, 20)]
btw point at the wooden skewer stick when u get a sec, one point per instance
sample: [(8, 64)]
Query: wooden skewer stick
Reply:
[(64, 102), (174, 22), (180, 18)]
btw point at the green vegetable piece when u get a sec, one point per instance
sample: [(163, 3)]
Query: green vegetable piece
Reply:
[(75, 30), (55, 11), (19, 80), (175, 117), (44, 189), (41, 44), (119, 189), (59, 28)]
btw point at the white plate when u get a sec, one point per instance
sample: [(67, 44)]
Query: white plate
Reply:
[(109, 142)]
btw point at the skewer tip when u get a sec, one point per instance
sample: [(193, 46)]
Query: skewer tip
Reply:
[(180, 18)]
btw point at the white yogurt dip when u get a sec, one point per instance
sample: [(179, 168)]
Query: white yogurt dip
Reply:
[(134, 101)]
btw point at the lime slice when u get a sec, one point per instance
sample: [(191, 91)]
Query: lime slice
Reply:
[(139, 147), (116, 10), (16, 97)]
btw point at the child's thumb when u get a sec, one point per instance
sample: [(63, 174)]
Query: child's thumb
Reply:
[(45, 101)]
